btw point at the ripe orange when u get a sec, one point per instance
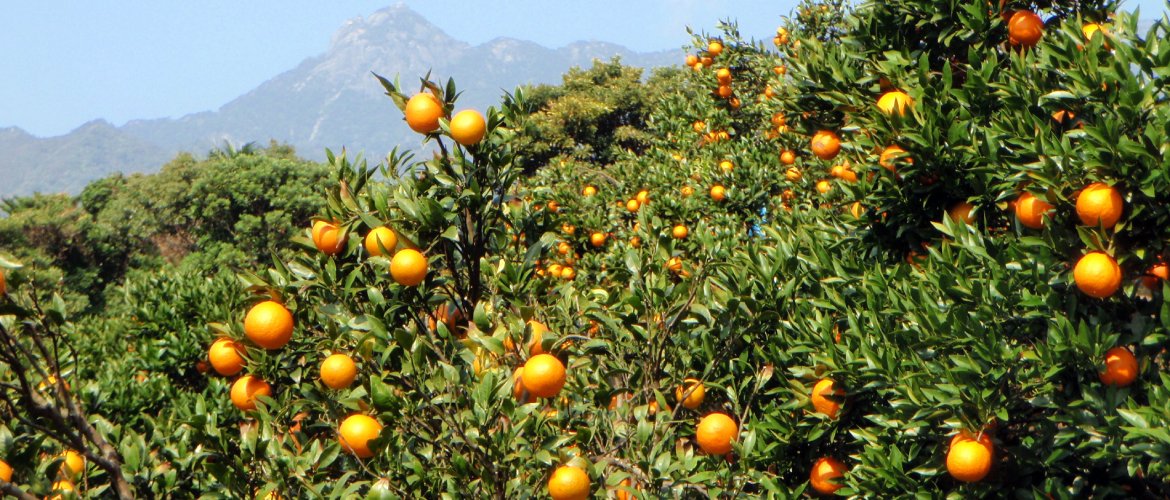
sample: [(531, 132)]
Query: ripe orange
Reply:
[(715, 433), (623, 494), (3, 283), (692, 59), (687, 190), (538, 331), (961, 212), (63, 488), (328, 237), (225, 358), (633, 205), (969, 460), (1099, 202), (715, 48), (826, 397), (356, 432), (825, 144), (965, 435), (674, 264), (792, 174), (1090, 30), (423, 111), (726, 166), (893, 154), (553, 206), (635, 241), (787, 157), (723, 91), (568, 273), (696, 396), (518, 390), (246, 388), (844, 173), (824, 475), (1121, 367), (1097, 275), (643, 196), (679, 232), (1159, 271), (269, 325), (1030, 210), (72, 464), (823, 186), (338, 371), (894, 101), (544, 375), (468, 127), (563, 248), (699, 126), (5, 471), (597, 239), (568, 483), (383, 235), (1025, 28), (589, 191), (718, 192), (408, 267), (856, 209), (723, 75)]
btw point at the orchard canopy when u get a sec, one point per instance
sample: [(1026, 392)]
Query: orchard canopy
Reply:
[(907, 248)]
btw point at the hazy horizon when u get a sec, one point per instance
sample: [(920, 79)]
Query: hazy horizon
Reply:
[(147, 60)]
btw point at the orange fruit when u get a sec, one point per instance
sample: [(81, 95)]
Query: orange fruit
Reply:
[(63, 488), (715, 48), (1025, 28), (1099, 203), (844, 173), (1097, 275), (1030, 210), (825, 144), (643, 197), (826, 397), (961, 212), (715, 433), (823, 186), (696, 396), (692, 59), (563, 248), (723, 91), (328, 237), (589, 191), (635, 241), (787, 157), (408, 267), (687, 190), (718, 192), (5, 471), (723, 75), (356, 432), (468, 127), (1121, 367), (965, 435), (553, 206), (824, 475), (699, 126), (633, 205), (726, 166), (3, 283), (969, 460), (792, 174), (518, 390), (538, 331), (423, 111), (338, 371), (1159, 271), (674, 264), (224, 355), (894, 101), (1091, 29), (623, 494), (891, 155), (544, 375), (72, 464), (383, 235), (856, 209), (679, 232), (568, 483), (246, 388), (597, 239), (568, 273), (734, 102), (269, 325)]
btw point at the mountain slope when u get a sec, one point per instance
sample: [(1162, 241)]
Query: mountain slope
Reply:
[(328, 101)]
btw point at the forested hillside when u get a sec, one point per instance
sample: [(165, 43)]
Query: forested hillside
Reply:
[(901, 248)]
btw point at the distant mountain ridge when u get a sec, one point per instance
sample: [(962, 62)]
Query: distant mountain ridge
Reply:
[(327, 101)]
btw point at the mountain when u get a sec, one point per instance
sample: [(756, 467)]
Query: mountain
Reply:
[(328, 101)]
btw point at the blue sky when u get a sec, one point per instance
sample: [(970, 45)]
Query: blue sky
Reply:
[(70, 61)]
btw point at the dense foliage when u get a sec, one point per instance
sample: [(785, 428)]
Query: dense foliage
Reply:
[(853, 262)]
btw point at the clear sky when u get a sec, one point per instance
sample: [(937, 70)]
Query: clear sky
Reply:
[(65, 62)]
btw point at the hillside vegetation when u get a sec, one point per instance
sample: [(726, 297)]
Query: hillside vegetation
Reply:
[(907, 248)]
